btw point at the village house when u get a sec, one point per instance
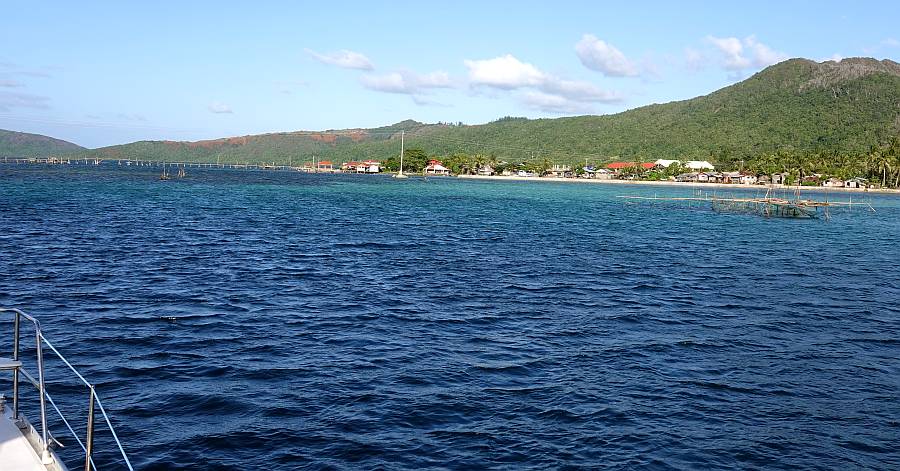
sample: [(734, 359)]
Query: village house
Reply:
[(813, 179), (731, 177), (833, 183), (779, 178), (485, 171), (325, 166), (619, 166), (739, 178), (619, 169), (369, 166), (688, 177), (435, 167), (559, 171), (856, 183), (748, 179), (597, 173)]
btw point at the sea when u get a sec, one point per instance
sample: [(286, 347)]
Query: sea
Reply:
[(238, 319)]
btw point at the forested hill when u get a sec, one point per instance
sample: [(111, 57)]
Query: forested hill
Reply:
[(22, 144), (797, 105)]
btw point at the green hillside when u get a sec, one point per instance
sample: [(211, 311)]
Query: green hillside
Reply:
[(795, 106), (22, 144)]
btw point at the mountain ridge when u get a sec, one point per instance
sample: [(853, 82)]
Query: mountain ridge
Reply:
[(798, 104), (24, 144)]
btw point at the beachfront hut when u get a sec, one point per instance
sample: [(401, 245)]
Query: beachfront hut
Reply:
[(559, 171), (435, 167), (486, 171), (325, 166), (833, 183), (598, 173), (779, 178), (731, 177), (688, 177), (856, 183)]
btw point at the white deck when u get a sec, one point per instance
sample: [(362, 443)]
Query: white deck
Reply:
[(16, 453)]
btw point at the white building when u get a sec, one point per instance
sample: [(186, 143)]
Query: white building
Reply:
[(371, 166), (699, 165), (665, 163), (435, 168)]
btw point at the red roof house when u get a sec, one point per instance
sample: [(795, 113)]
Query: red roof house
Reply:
[(621, 165)]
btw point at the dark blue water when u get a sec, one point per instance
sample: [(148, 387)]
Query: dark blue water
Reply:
[(263, 320)]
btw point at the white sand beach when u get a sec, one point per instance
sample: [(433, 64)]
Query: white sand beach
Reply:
[(679, 184)]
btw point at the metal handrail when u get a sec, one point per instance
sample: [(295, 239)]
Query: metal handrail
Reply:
[(40, 340)]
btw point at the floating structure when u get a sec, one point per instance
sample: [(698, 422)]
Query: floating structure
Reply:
[(26, 447), (769, 205)]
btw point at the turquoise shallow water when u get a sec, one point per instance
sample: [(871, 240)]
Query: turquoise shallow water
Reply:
[(265, 320)]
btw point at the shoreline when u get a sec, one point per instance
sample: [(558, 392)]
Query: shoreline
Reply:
[(823, 189)]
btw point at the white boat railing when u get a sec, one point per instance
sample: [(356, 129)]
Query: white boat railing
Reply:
[(87, 445)]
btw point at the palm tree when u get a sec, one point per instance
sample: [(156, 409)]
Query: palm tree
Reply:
[(882, 164)]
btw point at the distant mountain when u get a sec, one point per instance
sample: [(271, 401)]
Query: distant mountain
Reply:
[(282, 148), (797, 105), (23, 144)]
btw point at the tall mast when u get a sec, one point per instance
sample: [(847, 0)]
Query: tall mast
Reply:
[(401, 152)]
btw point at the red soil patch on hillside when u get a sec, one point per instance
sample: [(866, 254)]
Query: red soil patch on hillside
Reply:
[(213, 143), (322, 137)]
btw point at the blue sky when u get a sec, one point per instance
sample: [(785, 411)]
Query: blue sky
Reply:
[(102, 73)]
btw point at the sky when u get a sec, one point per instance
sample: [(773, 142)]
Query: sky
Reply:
[(104, 73)]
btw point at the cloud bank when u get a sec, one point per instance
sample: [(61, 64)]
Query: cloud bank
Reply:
[(344, 59), (219, 108), (600, 56), (543, 91), (739, 55)]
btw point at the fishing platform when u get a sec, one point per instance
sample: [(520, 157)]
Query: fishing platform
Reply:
[(24, 446), (769, 205)]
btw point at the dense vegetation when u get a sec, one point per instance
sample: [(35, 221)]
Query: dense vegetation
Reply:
[(22, 144), (880, 165)]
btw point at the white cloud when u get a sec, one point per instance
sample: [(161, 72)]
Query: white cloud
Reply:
[(406, 82), (219, 108), (10, 100), (544, 91), (343, 58), (131, 117), (763, 56), (578, 91), (505, 72), (554, 103), (739, 55), (409, 83), (733, 51), (597, 54), (287, 86), (694, 59)]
